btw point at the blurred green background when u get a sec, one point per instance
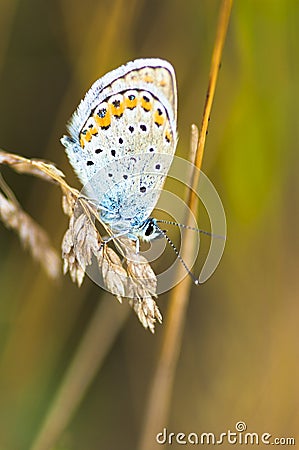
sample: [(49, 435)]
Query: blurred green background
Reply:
[(240, 352)]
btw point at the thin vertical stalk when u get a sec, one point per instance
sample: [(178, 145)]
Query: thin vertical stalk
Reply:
[(157, 411)]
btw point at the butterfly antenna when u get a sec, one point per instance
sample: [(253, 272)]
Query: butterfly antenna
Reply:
[(187, 227), (195, 280)]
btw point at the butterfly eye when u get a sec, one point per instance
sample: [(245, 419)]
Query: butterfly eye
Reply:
[(149, 230)]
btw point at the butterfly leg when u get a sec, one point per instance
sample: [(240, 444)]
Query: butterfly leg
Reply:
[(136, 240), (115, 236)]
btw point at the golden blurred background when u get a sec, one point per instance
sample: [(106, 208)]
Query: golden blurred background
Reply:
[(240, 349)]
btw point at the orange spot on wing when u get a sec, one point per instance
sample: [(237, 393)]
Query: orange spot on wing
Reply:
[(146, 105), (103, 122), (85, 136), (162, 83), (117, 109), (88, 136), (131, 104), (148, 79), (168, 136), (94, 130), (159, 119)]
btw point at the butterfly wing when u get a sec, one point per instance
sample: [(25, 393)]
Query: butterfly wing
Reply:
[(123, 137)]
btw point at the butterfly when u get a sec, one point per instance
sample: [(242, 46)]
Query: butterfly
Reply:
[(122, 139)]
